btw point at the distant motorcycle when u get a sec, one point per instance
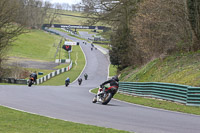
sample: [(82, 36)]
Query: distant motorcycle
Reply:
[(105, 94), (30, 81), (66, 83)]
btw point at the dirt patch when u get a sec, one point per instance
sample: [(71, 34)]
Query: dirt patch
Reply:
[(30, 63)]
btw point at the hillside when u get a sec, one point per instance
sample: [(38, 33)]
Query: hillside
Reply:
[(36, 44), (180, 69)]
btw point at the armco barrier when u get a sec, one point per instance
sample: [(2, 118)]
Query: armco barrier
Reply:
[(174, 92), (57, 72), (193, 96), (13, 81)]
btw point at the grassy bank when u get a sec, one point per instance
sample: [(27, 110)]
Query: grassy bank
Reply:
[(36, 44), (112, 70), (12, 121), (180, 69)]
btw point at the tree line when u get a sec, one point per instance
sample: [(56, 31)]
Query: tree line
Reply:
[(143, 30), (16, 17)]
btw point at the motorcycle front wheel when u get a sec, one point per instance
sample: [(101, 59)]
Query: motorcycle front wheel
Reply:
[(94, 100), (107, 98)]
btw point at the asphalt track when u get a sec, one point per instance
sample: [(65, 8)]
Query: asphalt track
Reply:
[(74, 103)]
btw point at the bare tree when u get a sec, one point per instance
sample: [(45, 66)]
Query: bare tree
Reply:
[(118, 14), (9, 28), (65, 6), (193, 7), (15, 15), (52, 15)]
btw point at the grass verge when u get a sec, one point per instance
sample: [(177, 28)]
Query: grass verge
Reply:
[(112, 70), (12, 121), (155, 103), (78, 59), (37, 44), (178, 69)]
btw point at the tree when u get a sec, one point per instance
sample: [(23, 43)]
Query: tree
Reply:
[(9, 28), (147, 29), (52, 15), (15, 16), (65, 6), (118, 14), (194, 18)]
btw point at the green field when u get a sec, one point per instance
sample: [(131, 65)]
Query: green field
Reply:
[(12, 121), (37, 45), (78, 59), (78, 18)]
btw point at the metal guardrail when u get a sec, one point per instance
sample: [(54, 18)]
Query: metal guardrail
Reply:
[(187, 95), (13, 81), (47, 30)]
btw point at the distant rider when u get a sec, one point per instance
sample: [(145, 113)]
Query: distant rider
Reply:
[(34, 76), (80, 81), (86, 76), (67, 81)]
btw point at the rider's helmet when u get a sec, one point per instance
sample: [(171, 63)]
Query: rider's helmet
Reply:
[(67, 79), (115, 78)]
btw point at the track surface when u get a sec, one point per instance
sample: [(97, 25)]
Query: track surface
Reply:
[(74, 103)]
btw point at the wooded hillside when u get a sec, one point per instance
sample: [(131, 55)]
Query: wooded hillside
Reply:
[(143, 30)]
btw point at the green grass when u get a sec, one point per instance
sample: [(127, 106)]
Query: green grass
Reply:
[(70, 20), (36, 45), (103, 45), (76, 54), (73, 20), (90, 31), (180, 69), (112, 70), (155, 103), (12, 121), (71, 12)]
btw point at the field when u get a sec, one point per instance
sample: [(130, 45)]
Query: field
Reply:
[(36, 45), (77, 56)]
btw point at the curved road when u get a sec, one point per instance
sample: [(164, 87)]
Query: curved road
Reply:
[(74, 103)]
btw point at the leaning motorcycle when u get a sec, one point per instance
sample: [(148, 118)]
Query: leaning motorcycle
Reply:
[(105, 94), (30, 81), (66, 83)]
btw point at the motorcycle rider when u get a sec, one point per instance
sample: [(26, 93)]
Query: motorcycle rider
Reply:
[(67, 81), (79, 81), (114, 82), (86, 76), (34, 76)]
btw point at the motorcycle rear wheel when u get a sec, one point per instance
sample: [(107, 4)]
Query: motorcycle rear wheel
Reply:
[(107, 98), (66, 84), (30, 83)]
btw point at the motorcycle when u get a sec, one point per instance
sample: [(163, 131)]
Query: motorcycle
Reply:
[(30, 81), (105, 94), (66, 83)]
